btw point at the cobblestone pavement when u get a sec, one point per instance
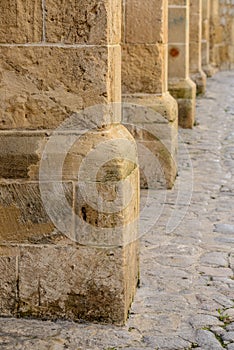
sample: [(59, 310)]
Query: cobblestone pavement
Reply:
[(186, 297)]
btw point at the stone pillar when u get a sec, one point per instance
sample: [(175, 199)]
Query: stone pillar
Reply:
[(215, 34), (69, 188), (226, 47), (180, 85), (207, 68), (195, 39), (149, 110)]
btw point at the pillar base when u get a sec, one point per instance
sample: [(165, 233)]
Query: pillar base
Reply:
[(153, 122), (69, 247), (199, 79), (184, 91), (209, 70)]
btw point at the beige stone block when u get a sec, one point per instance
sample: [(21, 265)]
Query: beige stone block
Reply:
[(194, 56), (20, 152), (108, 217), (21, 21), (83, 22), (177, 25), (184, 91), (148, 15), (160, 167), (94, 147), (152, 120), (200, 79), (42, 86), (149, 109), (177, 61), (78, 282), (23, 218), (195, 28), (143, 69), (178, 2), (8, 282)]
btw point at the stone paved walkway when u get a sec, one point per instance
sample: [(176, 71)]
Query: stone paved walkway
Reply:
[(186, 297)]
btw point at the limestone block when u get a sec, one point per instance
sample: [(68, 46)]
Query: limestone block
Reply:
[(20, 153), (177, 61), (200, 79), (143, 69), (91, 283), (184, 91), (177, 2), (21, 21), (149, 109), (83, 22), (177, 24), (8, 281), (42, 86), (23, 218), (152, 120), (148, 15), (114, 222)]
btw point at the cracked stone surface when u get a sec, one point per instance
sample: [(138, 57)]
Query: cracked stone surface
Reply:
[(186, 296)]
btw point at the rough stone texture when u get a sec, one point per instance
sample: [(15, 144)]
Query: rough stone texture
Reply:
[(195, 46), (145, 91), (8, 282), (152, 120), (221, 34), (57, 58), (177, 306), (83, 22), (143, 69), (184, 91), (42, 86), (23, 218), (206, 67), (26, 218), (226, 49), (21, 21), (180, 86), (87, 279)]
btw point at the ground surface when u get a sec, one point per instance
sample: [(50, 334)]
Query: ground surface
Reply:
[(186, 297)]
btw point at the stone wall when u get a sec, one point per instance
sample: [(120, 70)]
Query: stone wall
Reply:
[(62, 253)]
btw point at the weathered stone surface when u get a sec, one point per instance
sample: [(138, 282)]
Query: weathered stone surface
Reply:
[(207, 340), (8, 282), (83, 22), (20, 152), (152, 121), (90, 282), (42, 86), (184, 91), (150, 15), (195, 42), (145, 91), (174, 299), (179, 84), (23, 218), (21, 21), (143, 69)]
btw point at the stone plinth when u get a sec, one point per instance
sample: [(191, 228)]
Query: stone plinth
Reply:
[(181, 87)]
